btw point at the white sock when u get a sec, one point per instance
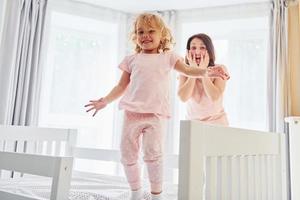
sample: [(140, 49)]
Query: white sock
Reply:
[(137, 195), (156, 196)]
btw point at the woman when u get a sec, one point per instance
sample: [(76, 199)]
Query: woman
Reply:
[(203, 96)]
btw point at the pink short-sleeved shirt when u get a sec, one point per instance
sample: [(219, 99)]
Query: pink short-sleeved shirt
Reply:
[(149, 87)]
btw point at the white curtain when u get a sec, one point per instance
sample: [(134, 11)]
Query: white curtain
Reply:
[(172, 134), (279, 71), (84, 44), (19, 61), (2, 15), (243, 48)]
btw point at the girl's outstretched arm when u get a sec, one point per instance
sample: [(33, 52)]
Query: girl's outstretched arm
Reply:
[(115, 93), (189, 71), (119, 89), (200, 72)]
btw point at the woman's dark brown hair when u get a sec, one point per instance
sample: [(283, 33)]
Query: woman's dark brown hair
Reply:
[(209, 46)]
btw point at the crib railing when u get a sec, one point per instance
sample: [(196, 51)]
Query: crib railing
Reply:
[(223, 163)]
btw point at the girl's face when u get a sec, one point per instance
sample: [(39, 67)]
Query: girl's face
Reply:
[(197, 49), (148, 37)]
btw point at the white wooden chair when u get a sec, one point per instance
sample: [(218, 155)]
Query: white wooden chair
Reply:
[(38, 151), (244, 164)]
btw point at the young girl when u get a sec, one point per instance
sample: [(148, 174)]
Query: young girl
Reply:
[(144, 84), (204, 96)]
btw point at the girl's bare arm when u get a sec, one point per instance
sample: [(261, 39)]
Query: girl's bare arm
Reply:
[(115, 93), (189, 71), (119, 89)]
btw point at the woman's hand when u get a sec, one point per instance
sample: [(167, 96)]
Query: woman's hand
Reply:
[(96, 104), (191, 57), (204, 60), (201, 60)]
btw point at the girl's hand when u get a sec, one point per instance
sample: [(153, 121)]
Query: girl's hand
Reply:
[(217, 72), (96, 104)]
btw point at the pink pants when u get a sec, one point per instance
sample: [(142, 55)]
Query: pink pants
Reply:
[(148, 129)]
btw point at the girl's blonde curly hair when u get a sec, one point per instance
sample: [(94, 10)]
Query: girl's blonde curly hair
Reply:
[(166, 42)]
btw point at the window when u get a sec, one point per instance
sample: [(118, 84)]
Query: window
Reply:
[(81, 58), (240, 36), (82, 54), (241, 44)]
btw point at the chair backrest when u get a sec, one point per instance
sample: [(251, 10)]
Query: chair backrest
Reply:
[(37, 140), (231, 163), (294, 148)]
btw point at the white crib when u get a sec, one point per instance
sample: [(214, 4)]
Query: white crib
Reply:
[(294, 148), (232, 163)]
